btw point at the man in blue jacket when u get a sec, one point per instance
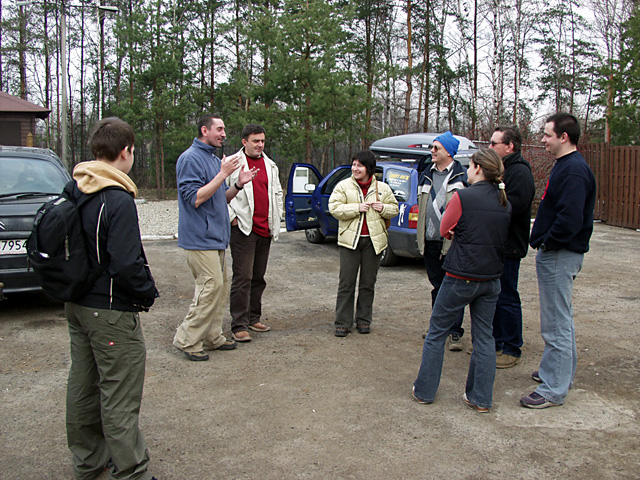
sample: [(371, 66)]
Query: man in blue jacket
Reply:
[(561, 233), (204, 231)]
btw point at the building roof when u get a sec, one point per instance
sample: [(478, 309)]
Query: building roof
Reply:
[(13, 104)]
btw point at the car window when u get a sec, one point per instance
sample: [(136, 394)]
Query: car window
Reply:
[(334, 179), (302, 177), (29, 175), (400, 183)]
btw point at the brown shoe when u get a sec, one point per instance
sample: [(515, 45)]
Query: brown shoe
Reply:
[(241, 336), (259, 327), (475, 407), (507, 361)]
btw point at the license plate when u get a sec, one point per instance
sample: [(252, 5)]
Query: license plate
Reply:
[(13, 247)]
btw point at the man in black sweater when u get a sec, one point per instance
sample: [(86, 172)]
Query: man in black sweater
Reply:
[(561, 234), (506, 141)]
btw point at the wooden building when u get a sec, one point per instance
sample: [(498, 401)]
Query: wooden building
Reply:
[(18, 120)]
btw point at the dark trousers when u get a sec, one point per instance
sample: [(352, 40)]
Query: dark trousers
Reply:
[(250, 254), (364, 260), (433, 260), (507, 321)]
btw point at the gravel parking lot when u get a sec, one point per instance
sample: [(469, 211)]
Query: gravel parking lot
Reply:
[(299, 403)]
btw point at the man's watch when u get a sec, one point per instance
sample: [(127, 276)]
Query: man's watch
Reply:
[(543, 247)]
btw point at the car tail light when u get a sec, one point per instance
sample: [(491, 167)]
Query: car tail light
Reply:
[(413, 217)]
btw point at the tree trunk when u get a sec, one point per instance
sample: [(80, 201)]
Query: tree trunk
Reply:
[(22, 63), (427, 71), (407, 103)]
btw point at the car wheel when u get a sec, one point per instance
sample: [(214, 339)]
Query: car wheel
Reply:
[(388, 257), (314, 235)]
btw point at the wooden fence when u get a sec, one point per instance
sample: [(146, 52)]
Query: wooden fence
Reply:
[(617, 172)]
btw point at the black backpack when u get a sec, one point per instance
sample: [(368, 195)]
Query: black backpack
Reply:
[(57, 249)]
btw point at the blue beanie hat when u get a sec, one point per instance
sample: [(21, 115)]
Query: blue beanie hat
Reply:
[(449, 142)]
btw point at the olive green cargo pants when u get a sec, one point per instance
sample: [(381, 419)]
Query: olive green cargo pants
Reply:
[(104, 393)]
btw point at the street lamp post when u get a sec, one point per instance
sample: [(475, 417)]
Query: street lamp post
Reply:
[(65, 67)]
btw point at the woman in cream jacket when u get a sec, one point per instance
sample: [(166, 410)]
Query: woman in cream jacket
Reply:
[(361, 204)]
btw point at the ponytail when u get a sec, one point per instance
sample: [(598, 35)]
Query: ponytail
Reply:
[(493, 170)]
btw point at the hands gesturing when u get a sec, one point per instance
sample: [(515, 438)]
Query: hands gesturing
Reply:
[(229, 164), (245, 176), (232, 163)]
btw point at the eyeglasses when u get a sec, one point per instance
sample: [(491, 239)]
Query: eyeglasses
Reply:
[(435, 147), (493, 144)]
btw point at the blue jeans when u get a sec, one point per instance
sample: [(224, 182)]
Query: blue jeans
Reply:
[(454, 295), (507, 321), (433, 260), (556, 271)]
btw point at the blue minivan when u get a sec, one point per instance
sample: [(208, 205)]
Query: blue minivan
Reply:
[(401, 160)]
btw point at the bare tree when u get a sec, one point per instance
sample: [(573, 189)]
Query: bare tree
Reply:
[(609, 15)]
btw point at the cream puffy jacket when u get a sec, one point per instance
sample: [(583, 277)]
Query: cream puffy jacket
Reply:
[(241, 206), (344, 206)]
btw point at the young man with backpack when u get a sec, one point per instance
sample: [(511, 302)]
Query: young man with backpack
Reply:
[(108, 353)]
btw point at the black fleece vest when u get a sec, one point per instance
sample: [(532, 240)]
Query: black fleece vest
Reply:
[(478, 249)]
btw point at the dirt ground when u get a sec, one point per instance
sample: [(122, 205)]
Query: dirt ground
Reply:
[(299, 403)]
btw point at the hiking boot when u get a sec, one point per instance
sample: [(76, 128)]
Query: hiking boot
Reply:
[(200, 356), (363, 328), (342, 331), (455, 343), (535, 400), (227, 345), (506, 361)]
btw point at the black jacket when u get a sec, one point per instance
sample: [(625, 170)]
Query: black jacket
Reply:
[(477, 250), (565, 215), (521, 189), (112, 232)]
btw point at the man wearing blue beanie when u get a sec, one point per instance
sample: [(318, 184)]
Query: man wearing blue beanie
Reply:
[(438, 181), (449, 142)]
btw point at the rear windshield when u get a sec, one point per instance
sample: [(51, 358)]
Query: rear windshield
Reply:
[(400, 183), (29, 175)]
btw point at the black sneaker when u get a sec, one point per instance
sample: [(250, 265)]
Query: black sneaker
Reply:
[(536, 376)]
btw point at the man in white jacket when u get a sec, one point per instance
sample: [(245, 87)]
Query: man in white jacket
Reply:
[(255, 220)]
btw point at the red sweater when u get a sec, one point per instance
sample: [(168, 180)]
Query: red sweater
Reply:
[(365, 188), (260, 197)]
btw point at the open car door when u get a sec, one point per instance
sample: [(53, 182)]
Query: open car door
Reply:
[(303, 180)]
